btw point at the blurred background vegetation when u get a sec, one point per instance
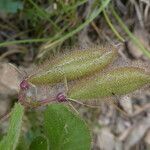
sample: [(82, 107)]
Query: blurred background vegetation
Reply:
[(42, 26)]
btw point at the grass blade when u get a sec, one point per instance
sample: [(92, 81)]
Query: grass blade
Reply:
[(68, 35), (112, 27), (129, 33), (10, 141)]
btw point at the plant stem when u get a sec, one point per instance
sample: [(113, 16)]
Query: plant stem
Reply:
[(112, 27), (4, 116)]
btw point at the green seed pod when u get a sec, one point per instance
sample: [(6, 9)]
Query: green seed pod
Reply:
[(74, 65), (119, 82)]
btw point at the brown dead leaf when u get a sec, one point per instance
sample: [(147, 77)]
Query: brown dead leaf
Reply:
[(126, 104), (142, 35), (147, 138), (107, 141), (137, 132), (9, 79)]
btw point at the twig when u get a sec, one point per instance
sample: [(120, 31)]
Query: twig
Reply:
[(141, 110)]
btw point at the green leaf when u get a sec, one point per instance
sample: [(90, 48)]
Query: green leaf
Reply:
[(119, 81), (74, 65), (39, 143), (10, 6), (10, 141), (24, 142), (65, 130)]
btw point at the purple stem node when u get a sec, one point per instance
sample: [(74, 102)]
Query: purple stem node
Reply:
[(61, 97), (24, 85)]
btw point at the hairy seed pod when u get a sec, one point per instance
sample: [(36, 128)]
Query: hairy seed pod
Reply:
[(118, 81), (74, 65)]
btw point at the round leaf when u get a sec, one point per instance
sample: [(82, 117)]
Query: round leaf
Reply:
[(65, 130), (39, 143)]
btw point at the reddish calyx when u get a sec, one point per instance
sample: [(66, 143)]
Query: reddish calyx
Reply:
[(24, 85)]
